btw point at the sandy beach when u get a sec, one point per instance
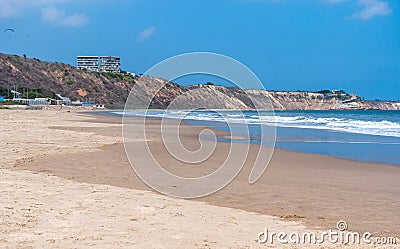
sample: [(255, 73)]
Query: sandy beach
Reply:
[(66, 182)]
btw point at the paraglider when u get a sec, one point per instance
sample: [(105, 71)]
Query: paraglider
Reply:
[(9, 32)]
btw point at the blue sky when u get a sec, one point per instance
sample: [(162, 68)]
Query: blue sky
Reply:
[(290, 44)]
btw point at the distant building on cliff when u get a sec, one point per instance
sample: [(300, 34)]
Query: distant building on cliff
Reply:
[(99, 63), (90, 63), (110, 64)]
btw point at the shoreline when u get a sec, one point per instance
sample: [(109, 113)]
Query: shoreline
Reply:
[(197, 123), (324, 191)]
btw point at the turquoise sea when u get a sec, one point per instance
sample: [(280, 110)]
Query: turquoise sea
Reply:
[(361, 135)]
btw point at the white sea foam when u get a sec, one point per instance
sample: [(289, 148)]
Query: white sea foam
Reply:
[(348, 124)]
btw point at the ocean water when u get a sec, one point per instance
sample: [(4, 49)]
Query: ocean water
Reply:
[(368, 136)]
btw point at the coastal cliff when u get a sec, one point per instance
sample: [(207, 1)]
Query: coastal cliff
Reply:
[(111, 89)]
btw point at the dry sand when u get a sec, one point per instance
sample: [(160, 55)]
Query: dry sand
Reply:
[(66, 183)]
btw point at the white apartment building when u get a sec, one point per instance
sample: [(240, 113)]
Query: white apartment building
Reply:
[(110, 64), (99, 63), (90, 63)]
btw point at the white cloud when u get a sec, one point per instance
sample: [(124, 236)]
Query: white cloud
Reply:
[(55, 16), (49, 13), (146, 33), (368, 8), (7, 10), (77, 19), (12, 8), (371, 9)]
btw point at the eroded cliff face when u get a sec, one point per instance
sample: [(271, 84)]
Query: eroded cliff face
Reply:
[(293, 100), (221, 97), (113, 89)]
